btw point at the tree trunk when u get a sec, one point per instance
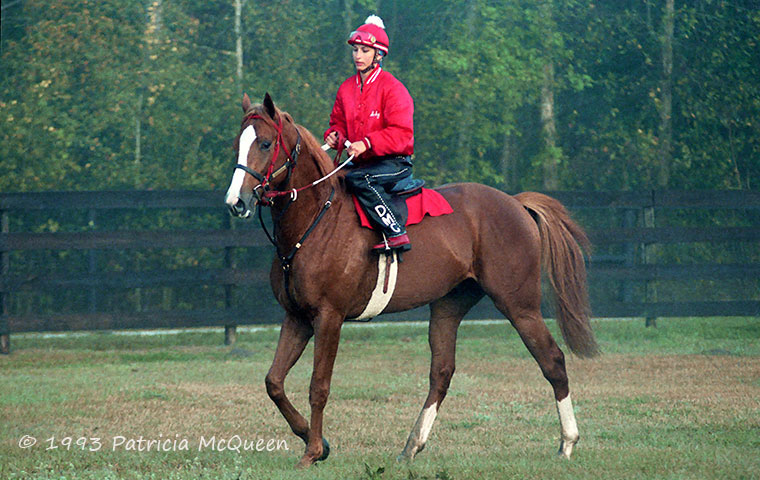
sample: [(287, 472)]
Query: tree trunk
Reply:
[(508, 165), (138, 131), (550, 154), (549, 129), (348, 20), (239, 47), (666, 99), (464, 142), (152, 38)]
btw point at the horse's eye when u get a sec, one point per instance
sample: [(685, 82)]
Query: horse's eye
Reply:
[(265, 145)]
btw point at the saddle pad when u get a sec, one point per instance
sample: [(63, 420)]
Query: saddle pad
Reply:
[(381, 295), (427, 202)]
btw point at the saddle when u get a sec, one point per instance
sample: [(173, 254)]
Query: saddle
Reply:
[(413, 201)]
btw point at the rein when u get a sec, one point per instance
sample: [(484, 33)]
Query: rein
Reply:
[(286, 260), (290, 164)]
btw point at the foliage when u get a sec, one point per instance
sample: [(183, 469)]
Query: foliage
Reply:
[(115, 94)]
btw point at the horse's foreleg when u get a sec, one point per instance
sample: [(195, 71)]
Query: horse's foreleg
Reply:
[(294, 335), (445, 316), (326, 339)]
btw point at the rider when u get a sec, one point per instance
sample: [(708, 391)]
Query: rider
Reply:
[(374, 111)]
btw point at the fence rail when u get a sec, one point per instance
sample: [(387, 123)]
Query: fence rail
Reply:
[(636, 265)]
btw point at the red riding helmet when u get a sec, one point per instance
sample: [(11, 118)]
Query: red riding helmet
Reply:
[(371, 34)]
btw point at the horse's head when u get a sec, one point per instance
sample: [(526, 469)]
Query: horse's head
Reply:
[(267, 146)]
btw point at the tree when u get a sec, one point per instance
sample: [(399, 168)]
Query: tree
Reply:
[(65, 101), (551, 154), (484, 69), (634, 94), (665, 105)]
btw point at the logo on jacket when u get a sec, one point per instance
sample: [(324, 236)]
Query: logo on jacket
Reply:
[(374, 114)]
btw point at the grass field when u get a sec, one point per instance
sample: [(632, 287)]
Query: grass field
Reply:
[(678, 401)]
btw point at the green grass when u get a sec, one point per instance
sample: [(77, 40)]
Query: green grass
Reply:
[(677, 401)]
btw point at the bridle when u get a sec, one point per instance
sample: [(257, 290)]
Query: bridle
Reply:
[(264, 195), (264, 198), (262, 191)]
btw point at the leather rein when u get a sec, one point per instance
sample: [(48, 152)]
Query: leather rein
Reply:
[(266, 195)]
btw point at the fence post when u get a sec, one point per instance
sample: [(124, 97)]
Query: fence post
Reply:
[(230, 330), (629, 221), (5, 264), (648, 258), (92, 259)]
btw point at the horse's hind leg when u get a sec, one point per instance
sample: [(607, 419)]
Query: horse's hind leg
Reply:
[(294, 336), (534, 334), (445, 316)]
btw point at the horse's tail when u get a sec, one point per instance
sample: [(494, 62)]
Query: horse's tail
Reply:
[(562, 246)]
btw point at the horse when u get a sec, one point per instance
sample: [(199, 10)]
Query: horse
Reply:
[(324, 273)]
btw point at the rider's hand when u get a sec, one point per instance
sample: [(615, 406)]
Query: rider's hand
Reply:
[(332, 140), (357, 148)]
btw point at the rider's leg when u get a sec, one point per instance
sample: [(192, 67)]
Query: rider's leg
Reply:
[(371, 184)]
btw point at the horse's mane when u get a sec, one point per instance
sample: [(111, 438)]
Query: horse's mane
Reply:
[(314, 148)]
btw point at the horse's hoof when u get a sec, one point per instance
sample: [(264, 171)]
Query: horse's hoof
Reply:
[(307, 460), (325, 450), (566, 449)]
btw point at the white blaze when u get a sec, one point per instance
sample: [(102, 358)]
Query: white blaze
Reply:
[(246, 140)]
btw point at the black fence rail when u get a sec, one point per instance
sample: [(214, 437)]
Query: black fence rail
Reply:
[(642, 242)]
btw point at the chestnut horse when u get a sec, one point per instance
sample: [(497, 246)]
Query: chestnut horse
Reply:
[(493, 244)]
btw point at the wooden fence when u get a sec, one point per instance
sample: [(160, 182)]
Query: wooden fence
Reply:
[(627, 258)]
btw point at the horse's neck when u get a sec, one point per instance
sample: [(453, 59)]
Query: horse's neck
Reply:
[(297, 217)]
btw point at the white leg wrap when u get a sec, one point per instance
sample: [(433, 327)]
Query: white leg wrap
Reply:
[(420, 433), (569, 427)]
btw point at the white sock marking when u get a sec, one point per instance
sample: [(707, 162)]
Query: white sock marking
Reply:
[(569, 426), (426, 420), (567, 419)]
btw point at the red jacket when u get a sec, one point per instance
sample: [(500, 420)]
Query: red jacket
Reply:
[(380, 114)]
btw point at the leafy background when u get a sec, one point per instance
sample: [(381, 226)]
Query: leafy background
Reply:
[(116, 94), (517, 94)]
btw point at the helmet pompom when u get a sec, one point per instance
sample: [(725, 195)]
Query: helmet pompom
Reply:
[(372, 34), (375, 20)]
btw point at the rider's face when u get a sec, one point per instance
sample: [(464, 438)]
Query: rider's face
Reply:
[(363, 56)]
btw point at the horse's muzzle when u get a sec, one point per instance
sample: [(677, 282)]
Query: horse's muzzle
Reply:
[(238, 208)]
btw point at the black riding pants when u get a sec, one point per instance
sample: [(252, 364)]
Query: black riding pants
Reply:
[(372, 184)]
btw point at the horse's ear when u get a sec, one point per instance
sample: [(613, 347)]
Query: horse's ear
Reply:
[(269, 105), (246, 103)]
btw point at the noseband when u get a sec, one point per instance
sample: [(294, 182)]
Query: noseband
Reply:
[(265, 180)]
